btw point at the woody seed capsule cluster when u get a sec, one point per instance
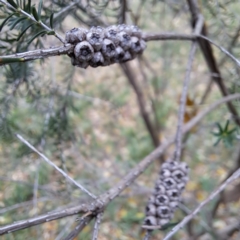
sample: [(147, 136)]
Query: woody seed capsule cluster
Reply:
[(104, 46), (161, 206)]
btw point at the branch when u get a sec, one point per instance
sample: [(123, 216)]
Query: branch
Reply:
[(106, 198), (84, 221), (141, 103), (207, 51), (36, 54), (178, 140), (96, 226), (55, 166), (202, 204)]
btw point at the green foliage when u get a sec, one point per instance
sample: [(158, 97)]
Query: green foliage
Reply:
[(225, 135)]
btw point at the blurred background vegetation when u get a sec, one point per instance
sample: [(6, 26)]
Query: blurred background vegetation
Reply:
[(88, 121)]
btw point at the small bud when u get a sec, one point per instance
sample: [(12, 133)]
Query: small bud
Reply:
[(83, 51), (108, 48), (97, 60)]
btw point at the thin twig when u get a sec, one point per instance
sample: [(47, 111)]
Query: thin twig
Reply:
[(84, 221), (210, 59), (183, 99), (55, 166), (33, 19), (222, 49), (96, 226), (202, 204), (107, 197)]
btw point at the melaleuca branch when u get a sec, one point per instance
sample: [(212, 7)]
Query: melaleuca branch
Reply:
[(69, 48), (102, 201), (36, 54)]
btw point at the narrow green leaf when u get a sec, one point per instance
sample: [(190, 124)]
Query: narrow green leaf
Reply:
[(219, 127), (25, 31), (34, 13), (3, 23), (226, 126), (232, 131), (36, 35), (17, 21), (51, 20), (29, 6), (39, 9), (12, 3)]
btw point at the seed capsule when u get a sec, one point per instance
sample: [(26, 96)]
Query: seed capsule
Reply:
[(108, 48), (173, 194), (125, 28), (125, 40), (169, 183), (95, 38), (159, 188), (165, 173), (97, 60), (178, 176), (83, 51), (111, 34), (161, 200), (127, 56), (151, 210), (163, 212), (78, 63), (150, 221), (75, 35)]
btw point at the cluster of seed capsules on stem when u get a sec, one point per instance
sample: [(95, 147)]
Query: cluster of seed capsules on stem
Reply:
[(104, 46), (161, 206)]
